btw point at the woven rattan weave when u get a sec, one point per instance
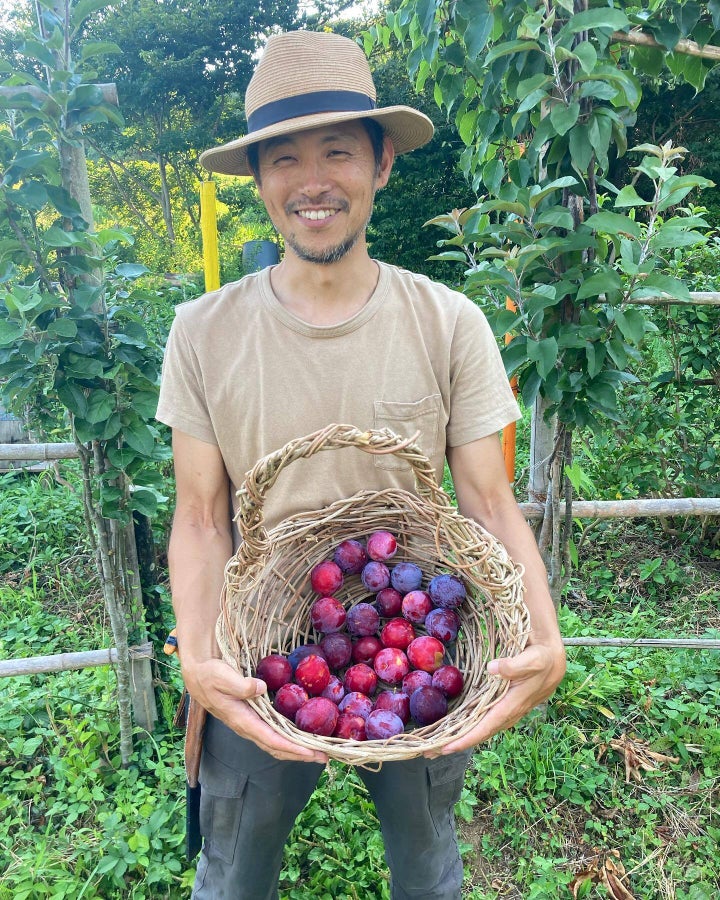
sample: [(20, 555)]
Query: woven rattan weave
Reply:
[(267, 594)]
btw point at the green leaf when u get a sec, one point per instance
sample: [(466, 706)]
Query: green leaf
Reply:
[(557, 217), (85, 8), (528, 85), (84, 96), (30, 195), (586, 55), (695, 71), (63, 202), (617, 352), (544, 354), (100, 406), (492, 175), (139, 436), (479, 28), (581, 149), (687, 16), (614, 224), (58, 237), (656, 284), (595, 356), (131, 270), (714, 8), (466, 126), (537, 192), (665, 32), (631, 323), (121, 457), (607, 282), (531, 383), (98, 48), (73, 398), (37, 50), (144, 501), (10, 332), (605, 18), (628, 196), (515, 354), (564, 117), (63, 327), (648, 60), (145, 404), (509, 47), (531, 100)]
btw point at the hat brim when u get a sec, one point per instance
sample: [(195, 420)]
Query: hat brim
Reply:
[(407, 128)]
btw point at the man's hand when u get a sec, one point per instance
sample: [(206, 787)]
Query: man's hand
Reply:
[(533, 675), (223, 692)]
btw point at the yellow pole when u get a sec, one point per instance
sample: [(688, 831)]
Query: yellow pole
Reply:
[(208, 227)]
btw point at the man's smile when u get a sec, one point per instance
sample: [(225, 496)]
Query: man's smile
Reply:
[(316, 213)]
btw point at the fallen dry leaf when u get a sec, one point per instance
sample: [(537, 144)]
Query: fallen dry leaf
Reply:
[(605, 869), (637, 755)]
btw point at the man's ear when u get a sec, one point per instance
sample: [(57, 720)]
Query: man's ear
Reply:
[(386, 163)]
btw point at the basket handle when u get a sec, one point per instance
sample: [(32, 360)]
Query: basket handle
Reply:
[(262, 476)]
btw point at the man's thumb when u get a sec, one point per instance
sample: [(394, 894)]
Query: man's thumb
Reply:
[(500, 667)]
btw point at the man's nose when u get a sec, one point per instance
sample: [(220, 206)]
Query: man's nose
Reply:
[(315, 177)]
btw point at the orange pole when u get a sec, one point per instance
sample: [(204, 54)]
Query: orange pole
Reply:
[(509, 435)]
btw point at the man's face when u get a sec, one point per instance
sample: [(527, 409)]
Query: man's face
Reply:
[(318, 187)]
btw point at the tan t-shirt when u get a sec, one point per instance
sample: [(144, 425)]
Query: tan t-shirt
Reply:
[(242, 372)]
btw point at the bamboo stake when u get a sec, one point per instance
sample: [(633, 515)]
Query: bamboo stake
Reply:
[(63, 662), (697, 298), (38, 451), (672, 643), (631, 509), (689, 48)]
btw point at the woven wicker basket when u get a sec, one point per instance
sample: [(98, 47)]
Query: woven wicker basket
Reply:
[(267, 594)]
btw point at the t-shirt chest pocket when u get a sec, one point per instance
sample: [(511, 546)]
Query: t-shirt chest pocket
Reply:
[(406, 419)]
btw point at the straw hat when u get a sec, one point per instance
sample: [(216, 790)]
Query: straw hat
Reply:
[(308, 79)]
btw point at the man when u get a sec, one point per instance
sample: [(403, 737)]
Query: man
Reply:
[(328, 335)]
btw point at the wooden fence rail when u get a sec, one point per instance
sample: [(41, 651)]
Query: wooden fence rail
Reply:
[(581, 509), (63, 662)]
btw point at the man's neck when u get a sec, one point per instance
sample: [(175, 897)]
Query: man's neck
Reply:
[(325, 294)]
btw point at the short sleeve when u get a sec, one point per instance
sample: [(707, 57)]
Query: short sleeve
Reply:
[(482, 401), (182, 402)]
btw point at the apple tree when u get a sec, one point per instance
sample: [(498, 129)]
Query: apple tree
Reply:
[(542, 93), (74, 354)]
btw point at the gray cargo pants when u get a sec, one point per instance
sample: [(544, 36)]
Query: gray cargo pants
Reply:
[(250, 801)]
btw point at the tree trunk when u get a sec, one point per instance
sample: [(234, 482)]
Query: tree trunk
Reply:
[(165, 195)]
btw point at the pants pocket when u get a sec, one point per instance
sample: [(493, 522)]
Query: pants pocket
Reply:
[(221, 807), (446, 776)]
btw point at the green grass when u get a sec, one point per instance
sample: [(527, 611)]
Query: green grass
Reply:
[(541, 802)]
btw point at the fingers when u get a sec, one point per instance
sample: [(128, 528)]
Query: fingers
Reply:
[(224, 692), (529, 662), (247, 723)]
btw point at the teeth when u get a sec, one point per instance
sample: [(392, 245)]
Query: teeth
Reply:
[(316, 213)]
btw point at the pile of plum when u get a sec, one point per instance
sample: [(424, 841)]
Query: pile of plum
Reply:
[(380, 666)]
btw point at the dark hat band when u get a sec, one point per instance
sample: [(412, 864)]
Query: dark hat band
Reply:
[(307, 105)]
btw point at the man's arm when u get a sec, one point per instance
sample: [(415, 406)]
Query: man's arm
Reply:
[(484, 494), (200, 546)]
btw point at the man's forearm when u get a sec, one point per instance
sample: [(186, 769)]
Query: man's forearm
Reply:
[(510, 528), (197, 557)]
